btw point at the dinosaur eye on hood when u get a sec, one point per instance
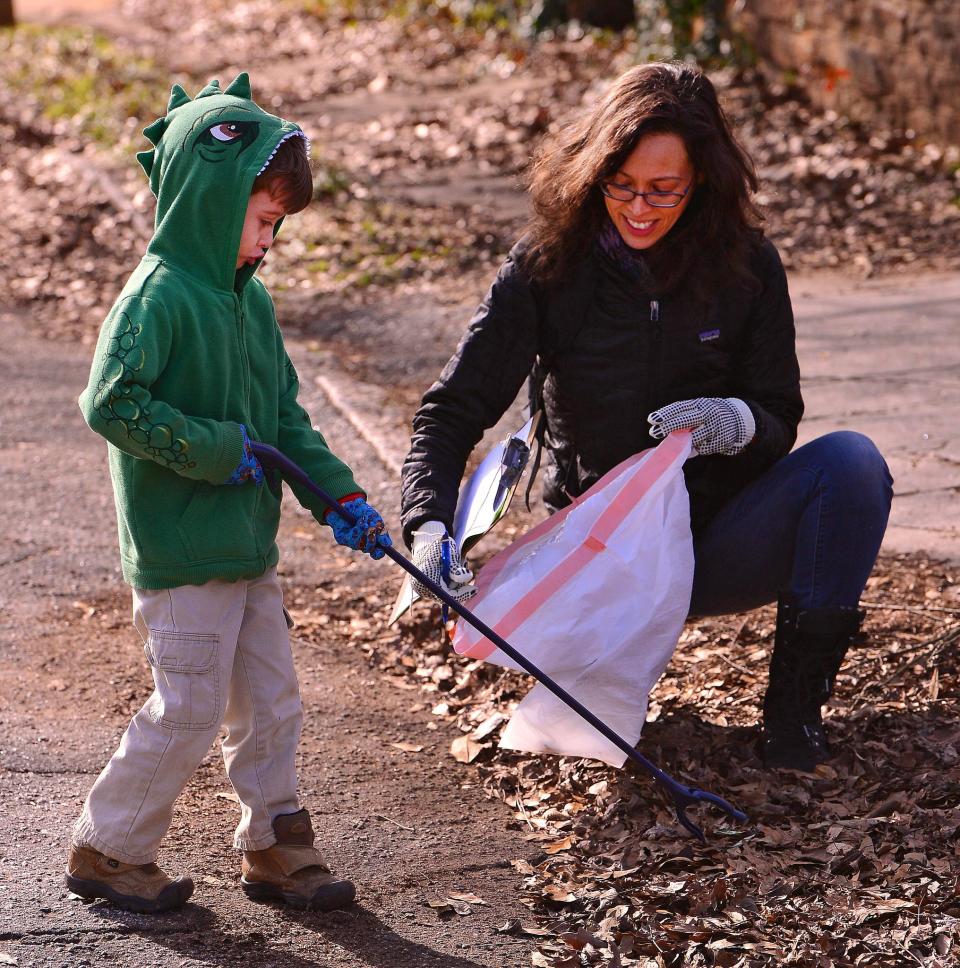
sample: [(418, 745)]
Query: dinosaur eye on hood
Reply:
[(227, 132), (214, 141)]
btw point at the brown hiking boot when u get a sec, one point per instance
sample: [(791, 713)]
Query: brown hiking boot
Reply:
[(293, 870), (136, 887)]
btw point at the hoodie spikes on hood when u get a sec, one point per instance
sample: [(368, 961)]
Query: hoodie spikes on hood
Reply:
[(211, 89), (146, 160), (178, 97), (154, 132), (209, 150), (240, 86)]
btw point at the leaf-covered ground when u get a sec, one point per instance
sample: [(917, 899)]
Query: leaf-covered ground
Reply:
[(854, 865)]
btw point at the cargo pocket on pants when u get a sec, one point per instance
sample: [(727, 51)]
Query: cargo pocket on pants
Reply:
[(187, 678)]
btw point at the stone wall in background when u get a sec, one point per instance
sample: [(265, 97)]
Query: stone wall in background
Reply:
[(890, 64)]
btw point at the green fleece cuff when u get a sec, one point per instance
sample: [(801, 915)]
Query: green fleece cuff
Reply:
[(231, 453)]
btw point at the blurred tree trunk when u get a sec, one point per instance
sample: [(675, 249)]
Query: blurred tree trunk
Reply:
[(6, 13), (698, 24), (613, 14)]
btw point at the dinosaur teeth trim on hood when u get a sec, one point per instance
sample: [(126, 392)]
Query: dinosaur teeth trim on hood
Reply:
[(292, 134)]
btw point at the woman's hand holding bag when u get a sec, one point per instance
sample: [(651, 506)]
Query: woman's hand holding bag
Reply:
[(720, 425)]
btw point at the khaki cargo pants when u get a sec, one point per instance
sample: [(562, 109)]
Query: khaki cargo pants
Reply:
[(220, 655)]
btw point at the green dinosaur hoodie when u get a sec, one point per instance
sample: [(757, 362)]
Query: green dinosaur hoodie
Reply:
[(190, 350)]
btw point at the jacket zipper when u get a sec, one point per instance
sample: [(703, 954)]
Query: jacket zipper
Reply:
[(653, 389)]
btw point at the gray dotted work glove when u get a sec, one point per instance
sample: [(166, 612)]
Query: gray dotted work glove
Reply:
[(428, 556), (720, 425)]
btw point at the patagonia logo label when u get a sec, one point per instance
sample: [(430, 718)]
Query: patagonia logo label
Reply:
[(709, 334)]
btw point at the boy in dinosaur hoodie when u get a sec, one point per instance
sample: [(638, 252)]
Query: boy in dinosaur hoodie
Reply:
[(189, 368)]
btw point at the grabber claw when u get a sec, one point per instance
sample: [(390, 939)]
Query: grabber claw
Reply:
[(690, 796)]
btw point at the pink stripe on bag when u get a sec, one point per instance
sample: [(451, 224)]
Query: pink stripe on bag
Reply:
[(659, 462), (499, 561), (493, 567)]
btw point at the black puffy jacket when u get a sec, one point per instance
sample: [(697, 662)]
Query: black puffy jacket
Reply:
[(612, 352)]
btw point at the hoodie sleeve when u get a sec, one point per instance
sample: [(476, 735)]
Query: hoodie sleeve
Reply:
[(303, 444), (120, 405)]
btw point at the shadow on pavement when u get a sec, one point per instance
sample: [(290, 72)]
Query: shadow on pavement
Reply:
[(365, 936), (196, 932)]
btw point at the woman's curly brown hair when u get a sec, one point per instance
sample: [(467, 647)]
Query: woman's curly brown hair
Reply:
[(710, 243)]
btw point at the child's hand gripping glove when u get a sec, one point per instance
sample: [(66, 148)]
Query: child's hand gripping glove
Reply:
[(249, 468), (720, 425), (368, 534), (434, 553)]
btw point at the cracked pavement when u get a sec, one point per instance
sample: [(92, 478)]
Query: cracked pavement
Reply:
[(883, 358)]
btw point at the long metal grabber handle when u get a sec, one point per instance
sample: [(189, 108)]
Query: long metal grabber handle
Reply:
[(683, 796)]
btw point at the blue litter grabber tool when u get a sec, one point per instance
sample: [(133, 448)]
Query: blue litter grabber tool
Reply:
[(682, 796)]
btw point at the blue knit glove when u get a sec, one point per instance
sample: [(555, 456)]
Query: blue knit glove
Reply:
[(249, 468), (368, 534)]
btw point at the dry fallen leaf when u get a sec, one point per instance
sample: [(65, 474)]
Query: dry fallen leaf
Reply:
[(558, 845), (559, 894), (88, 610), (465, 749), (407, 747), (450, 906), (469, 898), (488, 726)]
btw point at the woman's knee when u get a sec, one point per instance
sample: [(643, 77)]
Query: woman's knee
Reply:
[(853, 461)]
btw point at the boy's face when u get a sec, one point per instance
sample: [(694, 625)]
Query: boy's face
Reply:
[(263, 212)]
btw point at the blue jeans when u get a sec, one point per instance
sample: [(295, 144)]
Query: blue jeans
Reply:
[(808, 530)]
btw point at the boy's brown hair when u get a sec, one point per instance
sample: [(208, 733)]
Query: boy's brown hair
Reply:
[(287, 177)]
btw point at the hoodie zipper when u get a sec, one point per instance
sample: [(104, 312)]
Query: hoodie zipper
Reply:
[(245, 365), (244, 356)]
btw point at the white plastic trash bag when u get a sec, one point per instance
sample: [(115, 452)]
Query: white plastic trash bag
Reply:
[(596, 597)]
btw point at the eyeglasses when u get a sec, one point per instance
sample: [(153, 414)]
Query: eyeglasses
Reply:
[(623, 193)]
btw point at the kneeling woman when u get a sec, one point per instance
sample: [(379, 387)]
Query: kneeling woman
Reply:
[(649, 300)]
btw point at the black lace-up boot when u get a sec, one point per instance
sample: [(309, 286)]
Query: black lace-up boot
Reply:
[(807, 654)]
